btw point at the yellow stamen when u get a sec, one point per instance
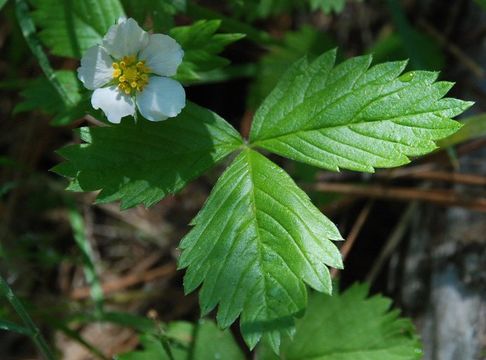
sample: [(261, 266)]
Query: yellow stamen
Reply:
[(130, 75)]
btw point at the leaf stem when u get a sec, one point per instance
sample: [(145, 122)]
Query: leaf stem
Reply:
[(33, 330)]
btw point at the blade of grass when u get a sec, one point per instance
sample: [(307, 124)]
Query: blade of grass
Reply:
[(474, 127), (75, 336), (79, 232), (27, 27), (10, 326), (30, 326)]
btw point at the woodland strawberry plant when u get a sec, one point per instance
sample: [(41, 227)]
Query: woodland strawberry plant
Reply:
[(259, 252)]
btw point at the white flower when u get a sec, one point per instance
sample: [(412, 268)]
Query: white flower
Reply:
[(131, 69)]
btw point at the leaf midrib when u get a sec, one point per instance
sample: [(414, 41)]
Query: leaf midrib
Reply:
[(320, 128), (346, 94), (260, 243), (259, 236)]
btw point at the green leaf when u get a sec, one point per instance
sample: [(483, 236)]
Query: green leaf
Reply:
[(202, 341), (229, 23), (201, 47), (11, 326), (212, 343), (40, 94), (328, 6), (152, 349), (255, 244), (350, 326), (355, 116), (143, 162), (69, 28)]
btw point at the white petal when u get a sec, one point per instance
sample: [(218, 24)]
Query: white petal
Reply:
[(113, 103), (162, 98), (95, 70), (163, 55), (125, 38)]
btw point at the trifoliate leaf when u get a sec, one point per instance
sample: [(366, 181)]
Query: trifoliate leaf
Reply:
[(202, 341), (69, 28), (39, 94), (355, 116), (140, 163), (201, 47), (256, 243), (328, 6), (350, 326)]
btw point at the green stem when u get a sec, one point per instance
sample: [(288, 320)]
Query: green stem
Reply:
[(164, 341), (34, 331), (75, 336)]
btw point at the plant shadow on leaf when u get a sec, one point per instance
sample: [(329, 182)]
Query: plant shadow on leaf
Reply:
[(272, 329), (142, 162)]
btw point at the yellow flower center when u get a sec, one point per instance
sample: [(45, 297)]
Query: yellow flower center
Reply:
[(130, 74)]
